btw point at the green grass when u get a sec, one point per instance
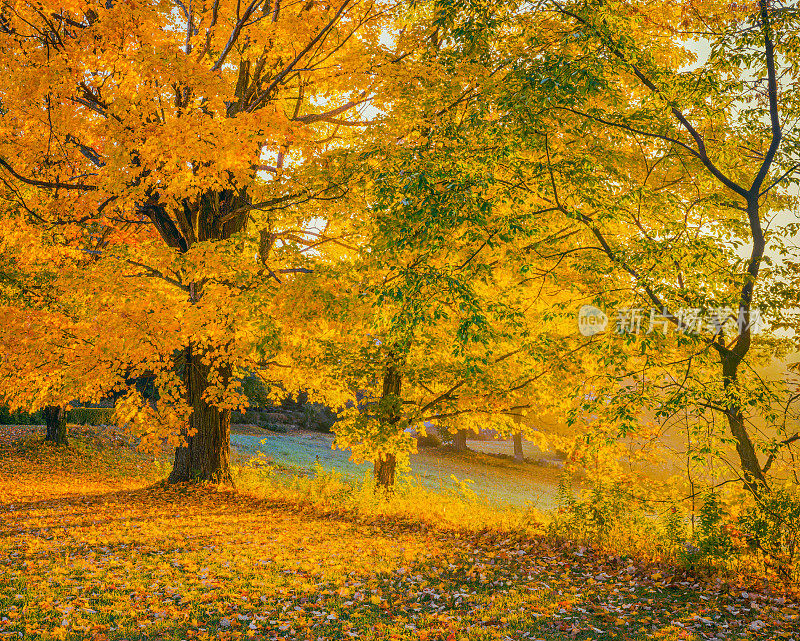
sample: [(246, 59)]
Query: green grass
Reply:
[(498, 480)]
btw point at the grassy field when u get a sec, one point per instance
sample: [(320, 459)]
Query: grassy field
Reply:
[(91, 548), (497, 479)]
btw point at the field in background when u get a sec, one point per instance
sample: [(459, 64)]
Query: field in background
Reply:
[(500, 480)]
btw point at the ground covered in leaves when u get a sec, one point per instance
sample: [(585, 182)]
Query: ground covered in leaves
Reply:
[(83, 558)]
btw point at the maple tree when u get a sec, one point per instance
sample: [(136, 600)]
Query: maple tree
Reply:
[(197, 191), (164, 148)]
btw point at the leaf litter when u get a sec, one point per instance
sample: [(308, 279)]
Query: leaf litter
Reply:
[(198, 562)]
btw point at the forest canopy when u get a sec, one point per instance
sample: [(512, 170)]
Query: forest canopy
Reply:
[(399, 209)]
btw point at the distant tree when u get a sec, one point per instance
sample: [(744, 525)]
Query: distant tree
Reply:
[(519, 456), (460, 440)]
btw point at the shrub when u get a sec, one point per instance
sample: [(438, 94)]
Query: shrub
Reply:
[(713, 539), (256, 392), (20, 418), (773, 527), (429, 440), (606, 514), (317, 417), (91, 416), (252, 417), (674, 527), (278, 428)]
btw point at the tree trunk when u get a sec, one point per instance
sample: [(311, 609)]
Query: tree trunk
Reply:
[(754, 478), (56, 419), (384, 470), (460, 441), (205, 456), (518, 456), (206, 452), (386, 462)]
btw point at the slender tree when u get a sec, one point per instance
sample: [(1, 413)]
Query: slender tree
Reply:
[(668, 164)]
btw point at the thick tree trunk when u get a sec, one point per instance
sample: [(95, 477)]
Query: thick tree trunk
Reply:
[(206, 453), (384, 470), (205, 456), (55, 417), (518, 455), (460, 441), (386, 462)]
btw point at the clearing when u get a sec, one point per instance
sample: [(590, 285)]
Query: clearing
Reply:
[(498, 479)]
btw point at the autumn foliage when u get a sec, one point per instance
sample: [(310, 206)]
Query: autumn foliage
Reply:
[(399, 209)]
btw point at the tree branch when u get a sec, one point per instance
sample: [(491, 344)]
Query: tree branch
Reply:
[(288, 69), (329, 116), (237, 29), (782, 444), (700, 153), (46, 184), (772, 93)]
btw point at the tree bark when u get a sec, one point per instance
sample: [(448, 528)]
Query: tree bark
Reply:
[(56, 419), (460, 441), (385, 463), (754, 478), (205, 455), (518, 455), (384, 470)]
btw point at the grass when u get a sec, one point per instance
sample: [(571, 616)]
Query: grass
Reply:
[(90, 548), (33, 470), (499, 480)]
